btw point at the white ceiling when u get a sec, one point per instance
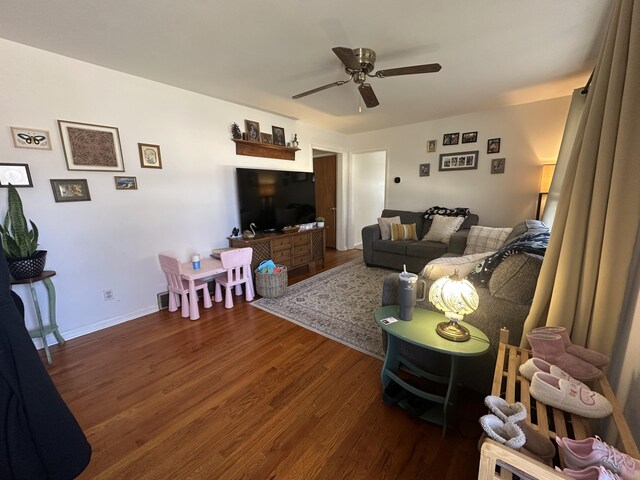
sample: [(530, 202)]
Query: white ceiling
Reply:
[(493, 53)]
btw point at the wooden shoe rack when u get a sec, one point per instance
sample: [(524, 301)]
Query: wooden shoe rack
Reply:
[(500, 462)]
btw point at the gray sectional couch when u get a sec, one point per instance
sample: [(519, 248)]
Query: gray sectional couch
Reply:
[(504, 302), (414, 254)]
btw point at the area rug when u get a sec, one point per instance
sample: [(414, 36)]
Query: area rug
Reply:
[(338, 304)]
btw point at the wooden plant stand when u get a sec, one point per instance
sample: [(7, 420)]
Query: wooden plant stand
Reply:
[(500, 462)]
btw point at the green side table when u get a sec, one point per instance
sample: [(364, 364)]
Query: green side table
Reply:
[(43, 330), (421, 331)]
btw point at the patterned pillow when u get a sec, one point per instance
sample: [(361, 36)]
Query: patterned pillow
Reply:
[(401, 231), (443, 266), (485, 239), (442, 228), (446, 212)]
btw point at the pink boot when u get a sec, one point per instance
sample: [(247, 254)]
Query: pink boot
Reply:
[(550, 347), (596, 359)]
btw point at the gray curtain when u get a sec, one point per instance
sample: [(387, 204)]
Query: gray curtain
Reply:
[(584, 276)]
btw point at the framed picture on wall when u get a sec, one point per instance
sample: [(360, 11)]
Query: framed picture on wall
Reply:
[(16, 174), (278, 135), (252, 130), (431, 146), (30, 138), (126, 183), (470, 137), (493, 145), (91, 147), (149, 155), (498, 164), (450, 138), (70, 190), (425, 169), (459, 161)]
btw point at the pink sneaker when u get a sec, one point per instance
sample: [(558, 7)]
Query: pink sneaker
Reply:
[(590, 473), (593, 451)]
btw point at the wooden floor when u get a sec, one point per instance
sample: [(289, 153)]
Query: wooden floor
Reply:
[(244, 394)]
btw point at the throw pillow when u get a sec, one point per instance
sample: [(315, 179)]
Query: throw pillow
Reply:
[(443, 266), (403, 232), (485, 239), (524, 227), (385, 226), (446, 212), (442, 228)]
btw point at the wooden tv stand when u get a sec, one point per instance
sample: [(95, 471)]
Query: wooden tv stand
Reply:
[(292, 250)]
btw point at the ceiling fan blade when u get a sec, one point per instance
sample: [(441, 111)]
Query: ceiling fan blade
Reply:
[(392, 72), (347, 57), (366, 92), (319, 89)]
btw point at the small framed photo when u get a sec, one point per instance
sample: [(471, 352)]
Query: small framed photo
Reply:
[(67, 190), (493, 145), (425, 169), (459, 161), (149, 155), (278, 136), (30, 138), (497, 165), (431, 146), (16, 174), (252, 130), (266, 137), (91, 147), (126, 183), (450, 138), (470, 137)]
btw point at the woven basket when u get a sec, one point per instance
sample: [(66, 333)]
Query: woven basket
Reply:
[(272, 285)]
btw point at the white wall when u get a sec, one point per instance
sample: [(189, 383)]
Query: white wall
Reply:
[(112, 241), (367, 191), (530, 134)]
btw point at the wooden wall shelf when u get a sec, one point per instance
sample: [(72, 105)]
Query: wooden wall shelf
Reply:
[(266, 150)]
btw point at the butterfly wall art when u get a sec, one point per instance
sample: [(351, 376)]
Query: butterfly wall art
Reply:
[(30, 138)]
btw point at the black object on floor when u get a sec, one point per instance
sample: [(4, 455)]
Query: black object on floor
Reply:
[(394, 394)]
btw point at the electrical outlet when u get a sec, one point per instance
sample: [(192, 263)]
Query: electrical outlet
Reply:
[(108, 295)]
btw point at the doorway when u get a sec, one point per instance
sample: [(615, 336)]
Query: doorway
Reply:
[(368, 185), (325, 166)]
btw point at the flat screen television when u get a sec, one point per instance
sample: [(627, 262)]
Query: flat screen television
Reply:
[(273, 199)]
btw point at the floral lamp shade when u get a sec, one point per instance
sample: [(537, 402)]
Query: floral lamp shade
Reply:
[(455, 297)]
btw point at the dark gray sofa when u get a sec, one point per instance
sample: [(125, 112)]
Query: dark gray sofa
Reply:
[(504, 302), (414, 254)]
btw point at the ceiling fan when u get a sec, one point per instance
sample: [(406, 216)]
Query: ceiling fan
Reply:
[(358, 63)]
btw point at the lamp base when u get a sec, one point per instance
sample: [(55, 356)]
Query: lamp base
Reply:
[(453, 331)]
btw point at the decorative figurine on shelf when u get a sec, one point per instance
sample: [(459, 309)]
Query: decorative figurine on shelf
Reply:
[(294, 142), (235, 131), (248, 234), (235, 232)]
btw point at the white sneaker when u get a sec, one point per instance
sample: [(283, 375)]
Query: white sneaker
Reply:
[(533, 365), (569, 397)]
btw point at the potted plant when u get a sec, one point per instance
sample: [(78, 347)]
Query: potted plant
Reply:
[(320, 221), (19, 242)]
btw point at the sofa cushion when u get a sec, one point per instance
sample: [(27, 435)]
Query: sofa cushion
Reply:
[(426, 250), (400, 231), (485, 239), (446, 212), (385, 226), (406, 217), (516, 277), (443, 266), (524, 227), (442, 228), (388, 246)]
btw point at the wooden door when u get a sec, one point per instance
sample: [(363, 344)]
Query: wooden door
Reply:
[(325, 173)]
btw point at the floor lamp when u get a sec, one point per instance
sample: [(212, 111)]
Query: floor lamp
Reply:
[(545, 184)]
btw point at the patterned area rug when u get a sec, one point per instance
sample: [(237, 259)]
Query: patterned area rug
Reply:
[(337, 304)]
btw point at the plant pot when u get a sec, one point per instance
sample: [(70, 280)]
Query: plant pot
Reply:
[(320, 224), (30, 267)]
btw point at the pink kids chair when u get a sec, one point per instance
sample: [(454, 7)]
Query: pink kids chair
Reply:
[(179, 287), (237, 262)]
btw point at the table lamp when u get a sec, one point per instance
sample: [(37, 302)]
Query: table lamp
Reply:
[(455, 297)]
